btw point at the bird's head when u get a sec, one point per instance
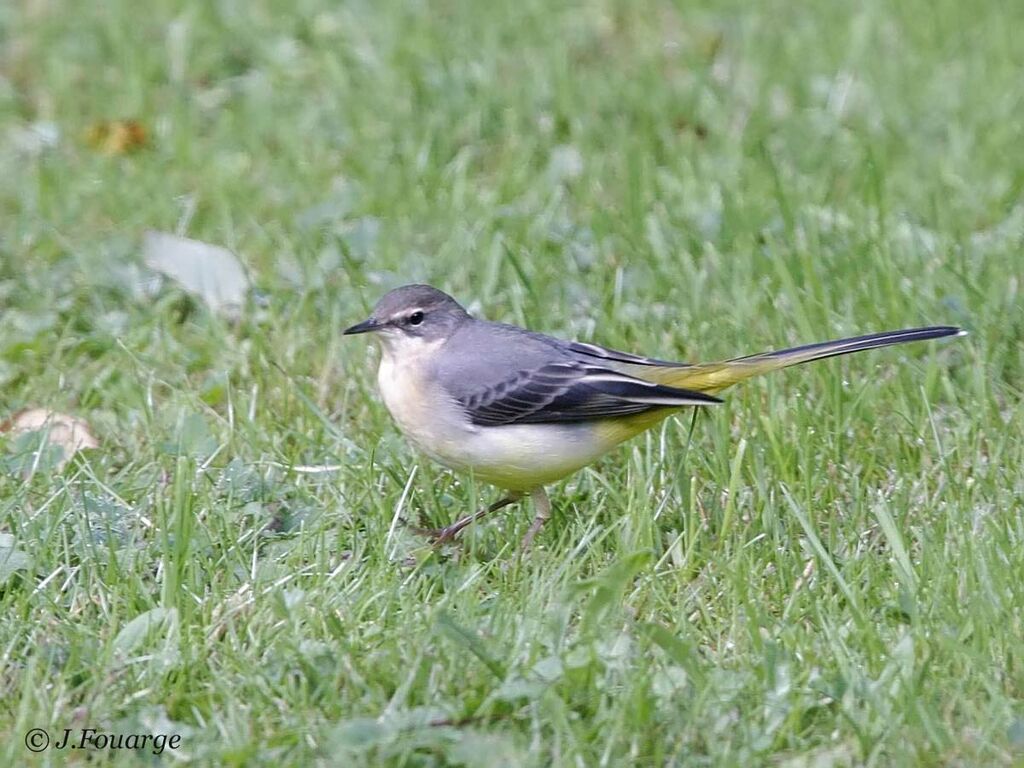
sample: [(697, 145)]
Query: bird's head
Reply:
[(412, 318)]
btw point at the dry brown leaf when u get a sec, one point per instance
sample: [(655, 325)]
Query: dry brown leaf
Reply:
[(70, 433), (117, 137)]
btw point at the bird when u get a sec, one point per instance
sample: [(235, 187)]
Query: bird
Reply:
[(520, 410)]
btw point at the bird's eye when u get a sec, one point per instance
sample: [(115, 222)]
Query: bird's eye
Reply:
[(416, 318)]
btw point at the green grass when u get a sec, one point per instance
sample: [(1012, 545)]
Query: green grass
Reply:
[(832, 574)]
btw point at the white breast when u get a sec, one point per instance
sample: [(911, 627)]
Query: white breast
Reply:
[(516, 457), (424, 413)]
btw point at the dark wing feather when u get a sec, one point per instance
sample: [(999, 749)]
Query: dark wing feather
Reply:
[(570, 392), (588, 351)]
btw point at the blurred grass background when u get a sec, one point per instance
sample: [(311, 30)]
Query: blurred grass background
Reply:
[(829, 575)]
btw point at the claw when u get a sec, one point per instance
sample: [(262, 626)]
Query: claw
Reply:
[(448, 533), (438, 535)]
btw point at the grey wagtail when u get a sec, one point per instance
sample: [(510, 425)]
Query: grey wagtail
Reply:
[(521, 410)]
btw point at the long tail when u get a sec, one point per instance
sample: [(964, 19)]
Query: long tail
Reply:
[(714, 377)]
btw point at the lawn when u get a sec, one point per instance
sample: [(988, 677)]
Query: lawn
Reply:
[(828, 571)]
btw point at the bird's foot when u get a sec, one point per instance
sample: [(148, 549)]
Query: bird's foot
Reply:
[(439, 535), (449, 532), (542, 505)]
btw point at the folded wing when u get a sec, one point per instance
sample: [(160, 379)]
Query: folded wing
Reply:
[(567, 392)]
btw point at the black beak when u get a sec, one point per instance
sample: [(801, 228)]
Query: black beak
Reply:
[(367, 326)]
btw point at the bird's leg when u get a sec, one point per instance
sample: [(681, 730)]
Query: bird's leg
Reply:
[(449, 532), (542, 507)]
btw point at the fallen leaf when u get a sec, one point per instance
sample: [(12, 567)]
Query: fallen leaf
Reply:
[(208, 271), (117, 137), (35, 138), (68, 433), (565, 163), (12, 559), (135, 632)]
